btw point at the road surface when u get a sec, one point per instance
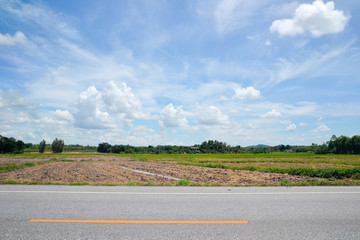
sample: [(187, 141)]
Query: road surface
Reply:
[(97, 212)]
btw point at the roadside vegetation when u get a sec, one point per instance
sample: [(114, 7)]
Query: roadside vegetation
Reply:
[(285, 169), (212, 163), (336, 145)]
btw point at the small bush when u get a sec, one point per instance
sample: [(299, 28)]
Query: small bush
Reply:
[(57, 146), (284, 182), (356, 176), (183, 182), (42, 146)]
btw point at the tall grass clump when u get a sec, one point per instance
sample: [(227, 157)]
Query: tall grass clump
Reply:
[(183, 182)]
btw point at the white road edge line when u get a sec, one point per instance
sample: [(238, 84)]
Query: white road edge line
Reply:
[(181, 193)]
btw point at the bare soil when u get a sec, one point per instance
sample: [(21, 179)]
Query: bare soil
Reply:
[(105, 169), (19, 159)]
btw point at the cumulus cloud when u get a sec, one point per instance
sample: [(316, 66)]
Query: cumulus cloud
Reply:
[(89, 114), (63, 115), (120, 99), (272, 114), (318, 18), (321, 128), (59, 117), (11, 99), (291, 127), (173, 117), (246, 93), (8, 40), (211, 116)]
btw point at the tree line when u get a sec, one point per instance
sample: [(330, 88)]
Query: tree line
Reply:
[(336, 145), (341, 145), (13, 146)]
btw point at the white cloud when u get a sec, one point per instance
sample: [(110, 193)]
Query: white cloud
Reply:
[(302, 124), (211, 115), (11, 99), (291, 128), (267, 42), (253, 37), (233, 14), (89, 114), (310, 65), (122, 100), (39, 14), (247, 93), (63, 115), (55, 119), (286, 122), (272, 114), (173, 117), (8, 40), (322, 128), (318, 18)]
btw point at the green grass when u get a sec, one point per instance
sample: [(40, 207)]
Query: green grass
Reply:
[(13, 167), (285, 183), (78, 184), (338, 173), (306, 161), (240, 156), (138, 158), (183, 182), (321, 182), (342, 169)]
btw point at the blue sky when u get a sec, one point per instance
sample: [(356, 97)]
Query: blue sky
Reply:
[(179, 72)]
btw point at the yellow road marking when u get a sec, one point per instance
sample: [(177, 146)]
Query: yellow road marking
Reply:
[(136, 221)]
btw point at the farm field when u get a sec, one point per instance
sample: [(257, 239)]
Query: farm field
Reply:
[(287, 169)]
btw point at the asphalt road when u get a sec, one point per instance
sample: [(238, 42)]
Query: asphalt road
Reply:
[(270, 212)]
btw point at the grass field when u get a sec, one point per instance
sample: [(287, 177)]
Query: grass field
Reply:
[(314, 169), (313, 165)]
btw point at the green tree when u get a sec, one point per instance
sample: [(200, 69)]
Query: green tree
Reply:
[(10, 145), (20, 146), (355, 144), (42, 146), (57, 146), (104, 147), (212, 146), (322, 149)]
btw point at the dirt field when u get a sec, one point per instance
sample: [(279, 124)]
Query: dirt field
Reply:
[(107, 169)]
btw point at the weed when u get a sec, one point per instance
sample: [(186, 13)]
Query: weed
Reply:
[(139, 158), (86, 160), (183, 182), (284, 182), (356, 176), (9, 182), (78, 183)]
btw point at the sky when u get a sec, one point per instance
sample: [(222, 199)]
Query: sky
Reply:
[(156, 72)]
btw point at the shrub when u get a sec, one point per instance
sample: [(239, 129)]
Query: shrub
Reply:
[(183, 182), (57, 146), (104, 147), (10, 145), (42, 146)]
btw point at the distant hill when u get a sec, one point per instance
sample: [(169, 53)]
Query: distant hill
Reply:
[(258, 146)]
